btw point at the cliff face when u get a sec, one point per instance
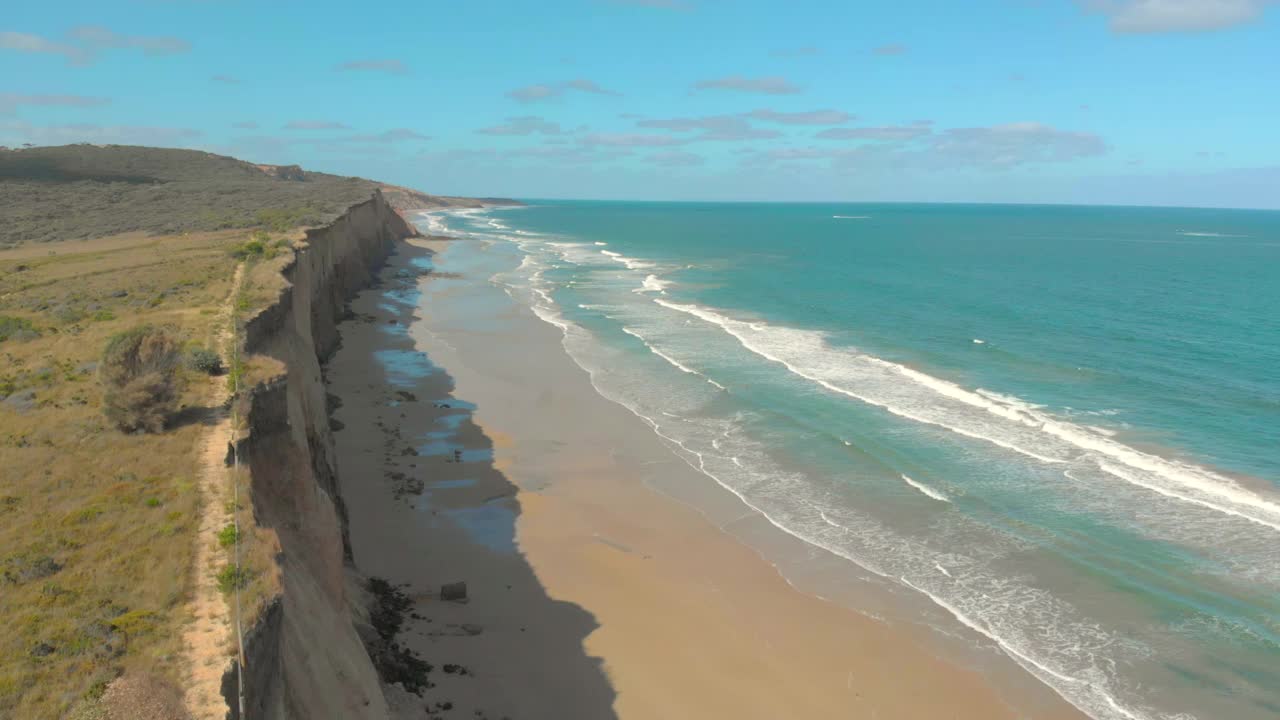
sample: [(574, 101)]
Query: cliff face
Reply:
[(303, 658)]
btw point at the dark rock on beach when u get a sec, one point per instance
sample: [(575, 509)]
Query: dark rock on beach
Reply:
[(453, 592)]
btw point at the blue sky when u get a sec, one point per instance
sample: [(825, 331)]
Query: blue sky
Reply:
[(1169, 102)]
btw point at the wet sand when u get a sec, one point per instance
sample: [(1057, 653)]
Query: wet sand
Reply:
[(591, 595)]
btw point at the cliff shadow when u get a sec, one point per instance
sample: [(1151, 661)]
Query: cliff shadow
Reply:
[(427, 506)]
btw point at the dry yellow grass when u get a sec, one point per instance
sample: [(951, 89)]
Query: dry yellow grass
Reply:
[(97, 527)]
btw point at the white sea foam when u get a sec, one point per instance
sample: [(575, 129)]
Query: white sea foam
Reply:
[(675, 363), (630, 263), (850, 217), (1043, 633), (435, 222), (926, 489), (653, 283), (1038, 630), (1001, 420), (1051, 677), (1195, 233), (979, 341)]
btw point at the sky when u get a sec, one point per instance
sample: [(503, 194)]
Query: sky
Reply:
[(1136, 102)]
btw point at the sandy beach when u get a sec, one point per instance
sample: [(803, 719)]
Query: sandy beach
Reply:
[(590, 595)]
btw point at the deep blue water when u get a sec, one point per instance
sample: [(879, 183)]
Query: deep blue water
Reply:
[(1060, 424)]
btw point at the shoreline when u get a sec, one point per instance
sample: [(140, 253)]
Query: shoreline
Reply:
[(737, 637)]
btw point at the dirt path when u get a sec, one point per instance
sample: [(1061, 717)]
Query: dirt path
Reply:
[(208, 639)]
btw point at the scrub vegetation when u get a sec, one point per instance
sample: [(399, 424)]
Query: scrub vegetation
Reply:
[(111, 368), (87, 191)]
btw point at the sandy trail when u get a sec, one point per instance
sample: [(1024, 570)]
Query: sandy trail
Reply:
[(209, 645)]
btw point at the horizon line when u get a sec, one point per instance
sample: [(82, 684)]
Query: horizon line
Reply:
[(877, 202)]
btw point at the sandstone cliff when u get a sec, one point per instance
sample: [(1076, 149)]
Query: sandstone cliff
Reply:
[(303, 656)]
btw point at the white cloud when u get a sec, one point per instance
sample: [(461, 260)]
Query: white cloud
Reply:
[(1165, 16), (10, 102), (22, 42), (903, 148), (523, 125), (588, 86), (534, 93), (889, 133), (789, 154), (714, 127), (567, 155), (467, 156), (630, 140), (95, 37), (394, 135), (766, 85), (315, 125), (86, 41), (813, 117), (676, 158), (1014, 144), (88, 132)]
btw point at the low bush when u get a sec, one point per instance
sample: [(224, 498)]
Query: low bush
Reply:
[(232, 578), (206, 361), (248, 249), (139, 373), (280, 219), (227, 536), (15, 328)]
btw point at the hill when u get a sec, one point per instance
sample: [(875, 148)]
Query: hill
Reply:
[(74, 192)]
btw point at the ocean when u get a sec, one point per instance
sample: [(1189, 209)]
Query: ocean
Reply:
[(1057, 427)]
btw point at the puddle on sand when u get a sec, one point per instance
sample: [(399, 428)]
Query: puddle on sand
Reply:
[(404, 367), (492, 524), (453, 450), (447, 484)]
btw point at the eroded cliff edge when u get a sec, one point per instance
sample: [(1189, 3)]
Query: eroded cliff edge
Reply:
[(303, 656)]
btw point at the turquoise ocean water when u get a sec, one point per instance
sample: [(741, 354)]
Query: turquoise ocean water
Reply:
[(1059, 425)]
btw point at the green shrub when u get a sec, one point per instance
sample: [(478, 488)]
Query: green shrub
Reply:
[(282, 219), (248, 249), (68, 313), (205, 361), (16, 328), (235, 377), (227, 536), (231, 578), (139, 374)]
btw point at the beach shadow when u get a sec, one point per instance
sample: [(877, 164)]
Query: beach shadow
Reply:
[(438, 465)]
